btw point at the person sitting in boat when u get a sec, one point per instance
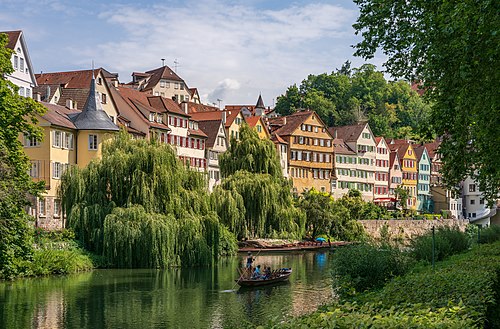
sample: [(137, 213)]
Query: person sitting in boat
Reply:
[(267, 273), (256, 273)]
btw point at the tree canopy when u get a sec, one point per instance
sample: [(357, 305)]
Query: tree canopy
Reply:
[(18, 116), (452, 49), (349, 95), (139, 206)]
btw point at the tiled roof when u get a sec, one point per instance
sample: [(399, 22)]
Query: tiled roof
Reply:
[(163, 72), (211, 129), (13, 36), (46, 89), (196, 132), (252, 121), (400, 148), (432, 148), (419, 150), (340, 147), (59, 115), (393, 156), (277, 139), (166, 104), (207, 116), (196, 107), (78, 95), (347, 133), (293, 121), (72, 79)]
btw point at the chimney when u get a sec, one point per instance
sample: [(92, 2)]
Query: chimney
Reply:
[(184, 106), (69, 103), (284, 121), (37, 97), (335, 134), (224, 117)]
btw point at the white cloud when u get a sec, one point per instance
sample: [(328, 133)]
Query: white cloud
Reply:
[(260, 50)]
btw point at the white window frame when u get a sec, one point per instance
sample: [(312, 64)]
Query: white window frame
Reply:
[(41, 207), (93, 142), (57, 139)]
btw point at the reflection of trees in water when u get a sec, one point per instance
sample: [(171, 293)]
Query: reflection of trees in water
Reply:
[(180, 297)]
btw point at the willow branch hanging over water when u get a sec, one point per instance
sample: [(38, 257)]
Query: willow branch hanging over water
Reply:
[(140, 207), (254, 199)]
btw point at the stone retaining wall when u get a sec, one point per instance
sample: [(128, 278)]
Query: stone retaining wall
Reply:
[(407, 228)]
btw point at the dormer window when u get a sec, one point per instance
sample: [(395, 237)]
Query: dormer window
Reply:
[(151, 117)]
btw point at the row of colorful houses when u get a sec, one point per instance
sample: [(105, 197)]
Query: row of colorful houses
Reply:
[(86, 107)]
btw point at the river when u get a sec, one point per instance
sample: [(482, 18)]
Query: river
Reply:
[(173, 298)]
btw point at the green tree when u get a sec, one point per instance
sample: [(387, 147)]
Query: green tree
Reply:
[(319, 212), (18, 116), (452, 48), (402, 196), (290, 102), (139, 206), (252, 154), (254, 199)]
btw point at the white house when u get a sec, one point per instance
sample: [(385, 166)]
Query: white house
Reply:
[(23, 75)]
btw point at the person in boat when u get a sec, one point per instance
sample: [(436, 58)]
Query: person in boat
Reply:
[(267, 273), (256, 273), (250, 260)]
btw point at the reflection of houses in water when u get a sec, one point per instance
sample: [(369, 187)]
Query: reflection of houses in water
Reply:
[(50, 314)]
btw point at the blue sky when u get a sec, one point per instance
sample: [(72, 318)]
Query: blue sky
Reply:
[(230, 50)]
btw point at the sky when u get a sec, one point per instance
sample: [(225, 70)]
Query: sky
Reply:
[(230, 50)]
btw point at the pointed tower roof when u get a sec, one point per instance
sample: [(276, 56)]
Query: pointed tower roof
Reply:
[(260, 103), (93, 116)]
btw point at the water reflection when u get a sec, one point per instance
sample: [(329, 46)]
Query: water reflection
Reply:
[(174, 298)]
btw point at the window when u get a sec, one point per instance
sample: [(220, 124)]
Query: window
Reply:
[(28, 92), (472, 201), (57, 170), (41, 207), (16, 61), (35, 169), (481, 201), (68, 140), (93, 142), (259, 128), (103, 98), (57, 139), (151, 117), (176, 85), (157, 93), (21, 91), (57, 208), (30, 141), (21, 64), (472, 187), (162, 84)]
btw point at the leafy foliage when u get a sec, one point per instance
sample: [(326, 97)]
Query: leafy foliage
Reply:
[(140, 207), (254, 199), (350, 95), (18, 116), (452, 48), (461, 293), (357, 268), (448, 241)]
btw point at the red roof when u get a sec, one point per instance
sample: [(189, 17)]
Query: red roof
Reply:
[(156, 75), (252, 121), (71, 79), (432, 148), (340, 147), (290, 123), (277, 139), (211, 129), (59, 115), (349, 133), (13, 36)]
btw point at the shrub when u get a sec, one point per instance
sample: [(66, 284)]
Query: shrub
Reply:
[(364, 266), (51, 261), (462, 292), (448, 241), (490, 234)]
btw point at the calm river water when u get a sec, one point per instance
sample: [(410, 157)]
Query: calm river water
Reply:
[(174, 298)]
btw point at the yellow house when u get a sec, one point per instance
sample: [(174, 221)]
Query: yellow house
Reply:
[(409, 168), (71, 137), (310, 150), (257, 124)]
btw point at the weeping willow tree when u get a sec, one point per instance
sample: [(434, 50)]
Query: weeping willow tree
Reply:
[(141, 207), (252, 154), (254, 199)]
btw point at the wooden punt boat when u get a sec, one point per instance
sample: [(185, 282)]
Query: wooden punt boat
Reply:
[(279, 276)]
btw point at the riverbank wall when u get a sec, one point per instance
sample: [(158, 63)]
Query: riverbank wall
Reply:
[(405, 229)]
